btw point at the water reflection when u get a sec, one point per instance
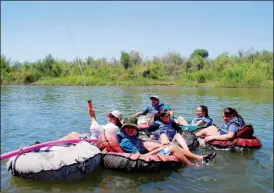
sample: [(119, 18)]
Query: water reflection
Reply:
[(101, 180)]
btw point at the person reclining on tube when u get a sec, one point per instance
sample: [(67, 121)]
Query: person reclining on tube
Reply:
[(233, 122), (201, 119), (129, 142), (114, 119), (154, 108), (166, 130)]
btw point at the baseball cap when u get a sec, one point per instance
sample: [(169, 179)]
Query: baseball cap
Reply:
[(116, 114), (154, 97)]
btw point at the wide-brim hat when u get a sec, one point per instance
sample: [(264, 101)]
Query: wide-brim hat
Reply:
[(116, 114), (129, 121)]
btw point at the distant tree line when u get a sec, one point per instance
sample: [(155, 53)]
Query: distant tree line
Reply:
[(245, 69)]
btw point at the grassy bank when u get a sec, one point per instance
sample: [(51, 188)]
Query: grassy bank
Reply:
[(247, 69)]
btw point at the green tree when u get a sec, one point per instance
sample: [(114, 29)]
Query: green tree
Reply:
[(197, 62), (89, 60), (174, 58), (135, 58), (200, 52), (125, 59), (5, 67), (47, 65)]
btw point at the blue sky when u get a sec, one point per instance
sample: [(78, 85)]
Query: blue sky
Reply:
[(31, 30)]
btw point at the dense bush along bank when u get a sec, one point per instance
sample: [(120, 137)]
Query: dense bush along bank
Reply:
[(245, 69)]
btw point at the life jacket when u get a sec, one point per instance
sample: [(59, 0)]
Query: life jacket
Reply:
[(108, 141), (167, 129), (207, 120), (134, 139), (236, 120), (156, 109)]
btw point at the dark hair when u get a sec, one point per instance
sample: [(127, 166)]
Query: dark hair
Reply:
[(204, 109), (230, 111), (163, 113), (118, 120)]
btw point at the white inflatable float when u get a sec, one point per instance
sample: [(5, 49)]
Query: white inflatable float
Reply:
[(69, 161)]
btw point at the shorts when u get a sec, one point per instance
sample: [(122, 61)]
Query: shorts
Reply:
[(165, 151)]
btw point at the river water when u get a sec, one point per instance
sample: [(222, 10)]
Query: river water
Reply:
[(44, 113)]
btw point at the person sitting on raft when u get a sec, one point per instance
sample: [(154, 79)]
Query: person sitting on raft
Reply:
[(114, 119), (154, 108), (130, 143), (202, 118), (166, 130), (233, 122)]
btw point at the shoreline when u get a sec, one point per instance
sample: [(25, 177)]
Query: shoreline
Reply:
[(189, 85)]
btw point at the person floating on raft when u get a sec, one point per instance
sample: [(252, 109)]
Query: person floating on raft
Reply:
[(166, 130), (154, 108), (233, 122), (234, 134), (202, 118), (114, 119), (130, 143)]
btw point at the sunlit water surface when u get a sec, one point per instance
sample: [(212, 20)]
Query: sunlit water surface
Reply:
[(31, 113)]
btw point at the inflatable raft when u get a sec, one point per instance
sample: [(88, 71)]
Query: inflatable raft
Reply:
[(114, 158), (58, 162), (243, 140), (145, 121)]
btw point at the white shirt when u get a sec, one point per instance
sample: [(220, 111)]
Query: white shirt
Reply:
[(97, 129)]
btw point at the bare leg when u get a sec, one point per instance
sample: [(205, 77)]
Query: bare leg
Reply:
[(179, 155), (211, 130), (189, 154), (182, 121), (72, 135), (164, 139), (179, 138)]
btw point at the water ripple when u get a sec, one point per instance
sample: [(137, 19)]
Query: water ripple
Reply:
[(31, 113)]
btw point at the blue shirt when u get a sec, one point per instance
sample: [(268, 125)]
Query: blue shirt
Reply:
[(130, 144), (149, 109), (207, 121), (164, 128)]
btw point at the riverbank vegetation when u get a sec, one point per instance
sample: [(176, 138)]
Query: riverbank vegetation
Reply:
[(245, 69)]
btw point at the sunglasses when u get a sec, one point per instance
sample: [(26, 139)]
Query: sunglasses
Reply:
[(165, 116)]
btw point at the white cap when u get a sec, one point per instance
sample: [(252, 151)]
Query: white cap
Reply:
[(154, 97), (116, 114)]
